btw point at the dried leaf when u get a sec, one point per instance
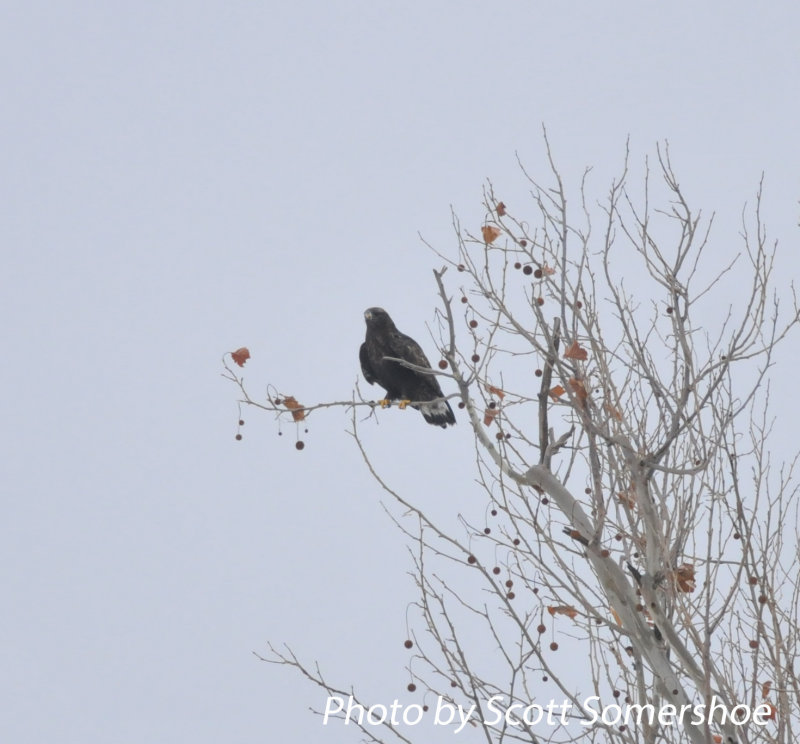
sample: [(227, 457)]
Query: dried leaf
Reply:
[(765, 688), (579, 389), (616, 617), (567, 610), (490, 233), (628, 497), (576, 351), (501, 209), (298, 414), (684, 577), (557, 392), (240, 356), (492, 390), (613, 410), (773, 712), (576, 535), (717, 739), (490, 415), (547, 270)]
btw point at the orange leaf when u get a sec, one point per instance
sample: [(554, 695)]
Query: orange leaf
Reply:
[(298, 414), (579, 389), (613, 410), (495, 391), (547, 270), (765, 688), (628, 497), (570, 612), (684, 577), (490, 415), (490, 233), (576, 351), (240, 356), (501, 209), (717, 739), (773, 711), (616, 617), (557, 392)]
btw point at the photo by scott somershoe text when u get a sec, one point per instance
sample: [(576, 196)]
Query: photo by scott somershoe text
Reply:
[(495, 712)]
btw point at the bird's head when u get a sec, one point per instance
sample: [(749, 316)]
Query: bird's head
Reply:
[(377, 317)]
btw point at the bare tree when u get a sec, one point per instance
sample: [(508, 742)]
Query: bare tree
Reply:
[(619, 411)]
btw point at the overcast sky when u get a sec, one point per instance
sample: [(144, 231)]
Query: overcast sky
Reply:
[(178, 179)]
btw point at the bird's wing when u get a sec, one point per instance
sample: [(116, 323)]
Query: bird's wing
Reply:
[(411, 351), (366, 367)]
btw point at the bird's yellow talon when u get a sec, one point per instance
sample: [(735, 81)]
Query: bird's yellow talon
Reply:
[(384, 403), (402, 404)]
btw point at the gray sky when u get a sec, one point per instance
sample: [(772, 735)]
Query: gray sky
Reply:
[(182, 178)]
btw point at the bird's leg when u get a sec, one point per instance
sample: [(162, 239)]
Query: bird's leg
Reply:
[(402, 404), (385, 403)]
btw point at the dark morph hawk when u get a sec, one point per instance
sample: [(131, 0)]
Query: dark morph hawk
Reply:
[(401, 383)]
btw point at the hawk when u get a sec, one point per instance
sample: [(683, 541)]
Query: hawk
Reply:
[(408, 386)]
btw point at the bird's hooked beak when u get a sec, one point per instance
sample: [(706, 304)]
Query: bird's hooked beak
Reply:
[(367, 315)]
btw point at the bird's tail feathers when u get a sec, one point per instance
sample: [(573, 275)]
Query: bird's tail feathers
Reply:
[(438, 412)]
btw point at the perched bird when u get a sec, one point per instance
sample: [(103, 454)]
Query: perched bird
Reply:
[(401, 383)]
